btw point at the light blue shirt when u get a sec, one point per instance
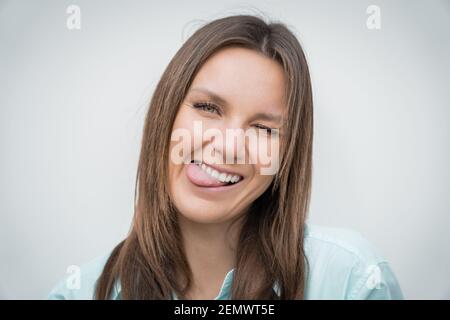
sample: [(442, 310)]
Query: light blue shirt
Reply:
[(342, 265)]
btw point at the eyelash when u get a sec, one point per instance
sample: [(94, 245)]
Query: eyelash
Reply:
[(268, 130), (205, 105)]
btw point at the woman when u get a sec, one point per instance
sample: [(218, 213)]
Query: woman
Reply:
[(207, 229)]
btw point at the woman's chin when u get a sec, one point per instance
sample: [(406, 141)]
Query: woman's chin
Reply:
[(202, 215)]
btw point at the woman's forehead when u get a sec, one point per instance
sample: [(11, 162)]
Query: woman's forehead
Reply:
[(242, 77)]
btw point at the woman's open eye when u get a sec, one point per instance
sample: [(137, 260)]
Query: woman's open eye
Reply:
[(207, 106)]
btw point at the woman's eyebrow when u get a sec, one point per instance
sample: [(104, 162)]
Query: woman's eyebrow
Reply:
[(268, 117), (212, 95)]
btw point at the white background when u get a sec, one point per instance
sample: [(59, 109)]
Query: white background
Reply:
[(72, 104)]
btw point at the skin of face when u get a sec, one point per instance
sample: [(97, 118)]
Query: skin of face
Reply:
[(249, 83)]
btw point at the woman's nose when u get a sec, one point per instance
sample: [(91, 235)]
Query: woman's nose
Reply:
[(230, 146)]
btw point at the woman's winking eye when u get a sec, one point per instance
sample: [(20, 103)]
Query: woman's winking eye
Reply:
[(267, 129)]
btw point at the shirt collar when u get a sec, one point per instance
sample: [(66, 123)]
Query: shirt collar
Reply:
[(224, 293)]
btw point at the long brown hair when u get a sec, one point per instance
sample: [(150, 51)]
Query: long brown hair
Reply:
[(270, 245)]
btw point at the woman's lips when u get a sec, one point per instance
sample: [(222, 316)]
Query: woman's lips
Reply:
[(200, 178)]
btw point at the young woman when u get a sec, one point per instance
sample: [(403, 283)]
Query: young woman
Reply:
[(221, 230)]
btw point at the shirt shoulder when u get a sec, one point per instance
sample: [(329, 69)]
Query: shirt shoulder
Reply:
[(342, 264), (79, 282)]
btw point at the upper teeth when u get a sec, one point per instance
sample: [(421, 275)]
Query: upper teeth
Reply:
[(221, 176)]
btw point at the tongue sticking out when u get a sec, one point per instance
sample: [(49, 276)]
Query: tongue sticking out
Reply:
[(201, 178)]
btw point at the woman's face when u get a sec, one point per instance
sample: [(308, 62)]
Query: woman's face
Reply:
[(244, 90)]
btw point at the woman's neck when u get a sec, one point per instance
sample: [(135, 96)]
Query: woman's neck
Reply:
[(211, 253)]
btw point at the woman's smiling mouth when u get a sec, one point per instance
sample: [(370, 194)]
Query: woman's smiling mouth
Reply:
[(203, 175)]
